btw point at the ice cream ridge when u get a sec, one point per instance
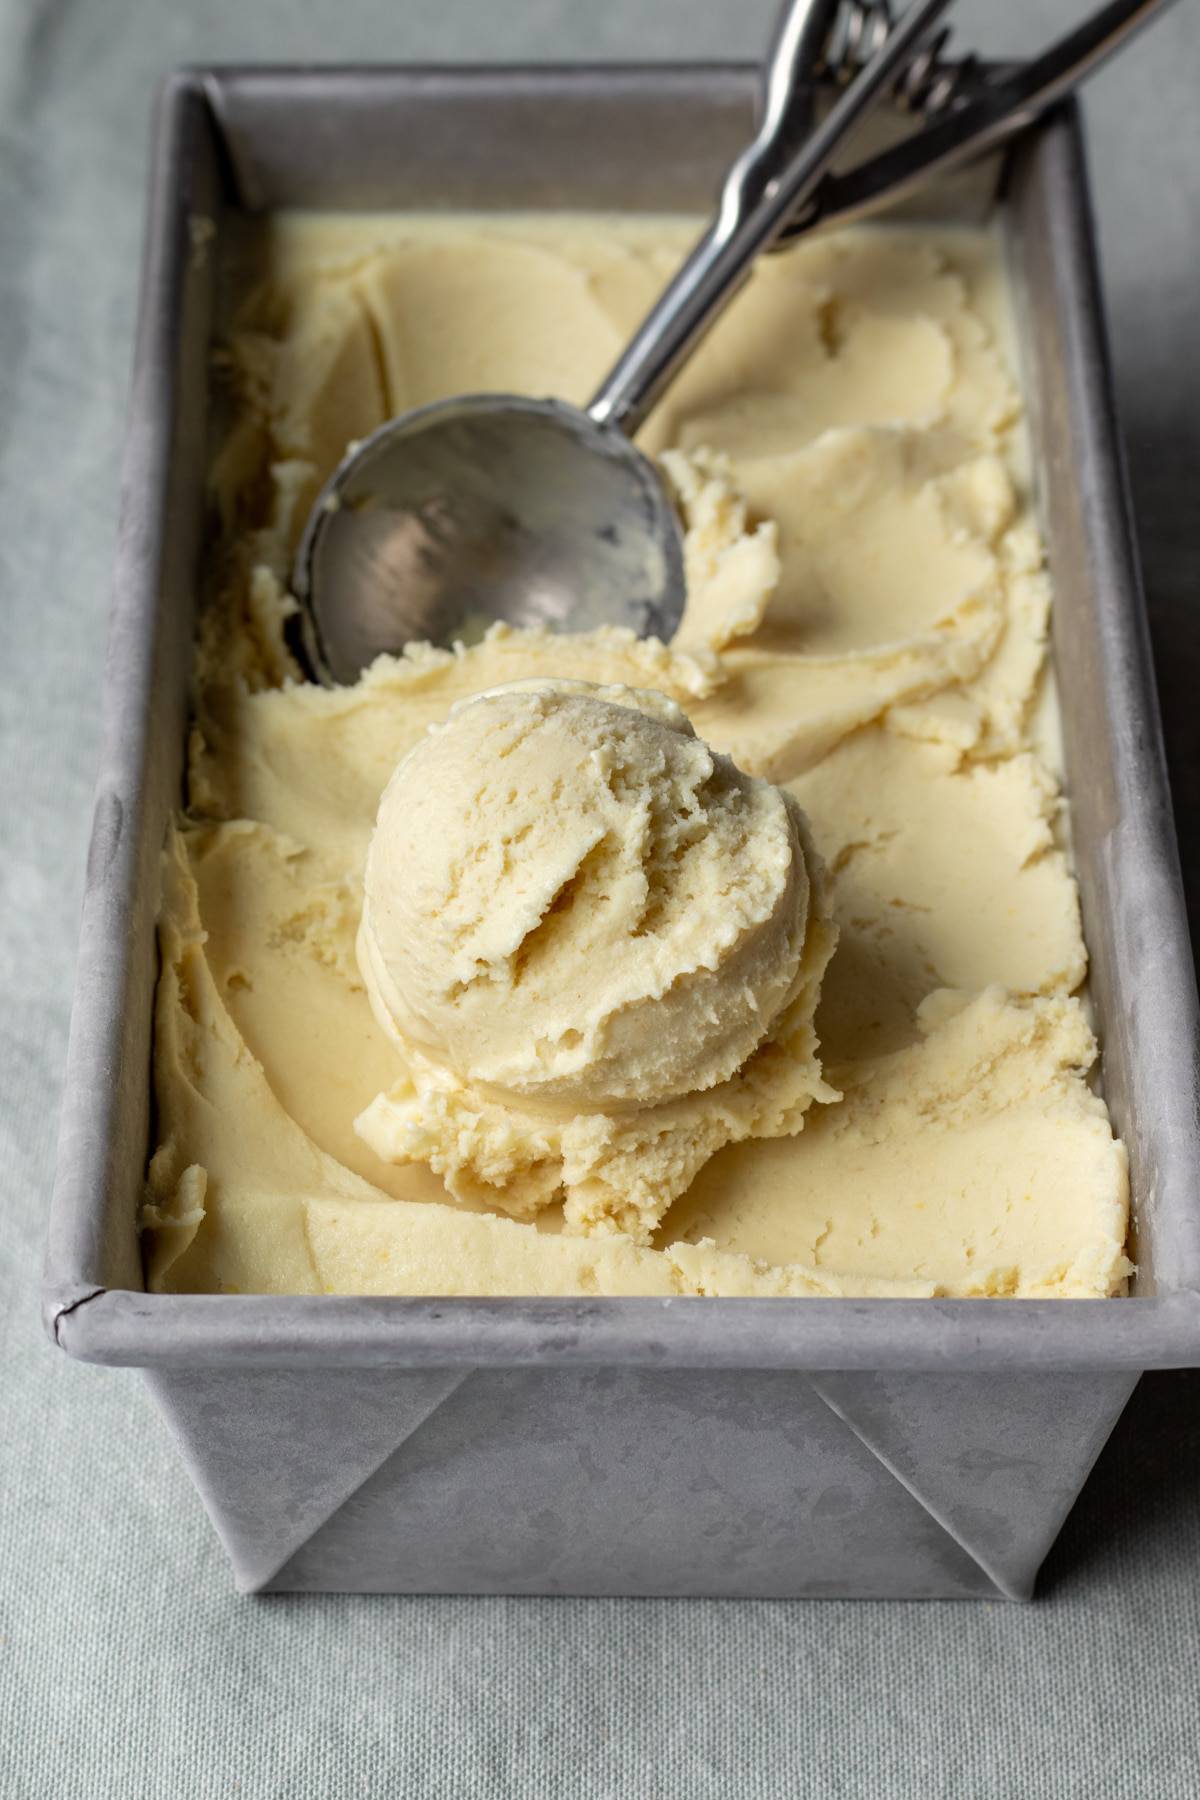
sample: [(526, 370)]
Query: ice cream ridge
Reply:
[(745, 965)]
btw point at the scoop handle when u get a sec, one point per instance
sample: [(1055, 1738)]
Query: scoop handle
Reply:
[(758, 196)]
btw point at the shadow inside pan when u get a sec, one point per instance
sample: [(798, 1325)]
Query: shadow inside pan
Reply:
[(1163, 449)]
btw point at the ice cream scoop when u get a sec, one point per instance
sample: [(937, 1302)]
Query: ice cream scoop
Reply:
[(571, 899), (498, 506), (582, 927)]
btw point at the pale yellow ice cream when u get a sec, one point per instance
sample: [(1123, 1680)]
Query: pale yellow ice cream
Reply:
[(866, 628), (597, 946)]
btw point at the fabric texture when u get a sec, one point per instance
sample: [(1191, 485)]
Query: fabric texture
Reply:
[(128, 1668)]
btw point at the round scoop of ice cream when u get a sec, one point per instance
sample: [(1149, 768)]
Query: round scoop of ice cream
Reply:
[(572, 902)]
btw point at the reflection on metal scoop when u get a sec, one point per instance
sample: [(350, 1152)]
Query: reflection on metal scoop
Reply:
[(482, 508), (497, 507)]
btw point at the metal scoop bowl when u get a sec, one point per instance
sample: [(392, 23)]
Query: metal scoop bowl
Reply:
[(487, 507)]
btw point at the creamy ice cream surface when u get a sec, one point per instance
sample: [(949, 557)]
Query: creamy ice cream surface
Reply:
[(580, 927), (512, 969)]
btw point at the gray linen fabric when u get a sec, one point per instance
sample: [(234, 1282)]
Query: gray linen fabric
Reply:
[(128, 1669)]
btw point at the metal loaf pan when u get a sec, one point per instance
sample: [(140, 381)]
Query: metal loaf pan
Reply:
[(765, 1447)]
